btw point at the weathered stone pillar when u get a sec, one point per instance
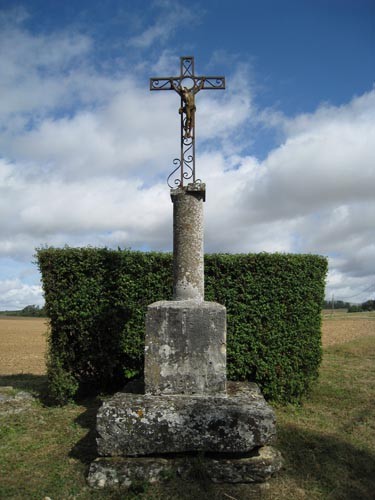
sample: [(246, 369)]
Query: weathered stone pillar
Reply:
[(188, 264)]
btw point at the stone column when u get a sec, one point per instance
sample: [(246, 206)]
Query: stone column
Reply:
[(188, 256)]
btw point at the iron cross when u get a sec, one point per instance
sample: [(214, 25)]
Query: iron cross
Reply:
[(187, 84)]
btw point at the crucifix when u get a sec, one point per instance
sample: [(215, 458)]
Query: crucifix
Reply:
[(185, 408), (187, 85)]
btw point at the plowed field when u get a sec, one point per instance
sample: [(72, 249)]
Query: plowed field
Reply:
[(340, 327), (22, 345), (23, 340)]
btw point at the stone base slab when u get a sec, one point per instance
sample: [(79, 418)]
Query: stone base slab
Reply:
[(258, 466), (138, 425)]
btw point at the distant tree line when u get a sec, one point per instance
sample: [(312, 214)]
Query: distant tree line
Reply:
[(28, 311), (369, 305), (336, 304)]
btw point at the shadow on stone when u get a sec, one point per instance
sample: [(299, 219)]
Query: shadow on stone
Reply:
[(344, 470), (86, 449), (135, 386)]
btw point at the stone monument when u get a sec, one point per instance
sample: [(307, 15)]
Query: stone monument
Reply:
[(186, 408)]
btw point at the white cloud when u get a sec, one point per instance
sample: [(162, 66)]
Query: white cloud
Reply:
[(326, 160), (16, 295), (36, 72), (40, 209), (170, 17)]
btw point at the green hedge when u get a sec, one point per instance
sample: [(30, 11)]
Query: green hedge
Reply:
[(96, 300)]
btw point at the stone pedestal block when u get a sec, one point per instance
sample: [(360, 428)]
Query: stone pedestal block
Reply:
[(136, 425), (185, 348), (258, 466)]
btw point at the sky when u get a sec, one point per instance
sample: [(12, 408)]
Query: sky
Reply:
[(287, 151)]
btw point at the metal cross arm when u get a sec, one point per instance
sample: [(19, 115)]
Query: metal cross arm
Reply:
[(199, 82), (187, 78), (187, 84)]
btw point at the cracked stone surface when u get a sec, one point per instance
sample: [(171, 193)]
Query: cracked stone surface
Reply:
[(258, 466), (136, 425)]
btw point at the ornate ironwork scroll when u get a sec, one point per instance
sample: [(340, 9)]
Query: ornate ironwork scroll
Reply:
[(187, 85)]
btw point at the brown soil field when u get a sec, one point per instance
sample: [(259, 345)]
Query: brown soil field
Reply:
[(22, 345), (340, 327), (23, 340)]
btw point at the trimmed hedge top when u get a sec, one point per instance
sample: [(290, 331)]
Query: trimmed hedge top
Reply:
[(96, 300)]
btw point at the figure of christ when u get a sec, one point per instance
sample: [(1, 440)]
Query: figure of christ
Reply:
[(189, 108)]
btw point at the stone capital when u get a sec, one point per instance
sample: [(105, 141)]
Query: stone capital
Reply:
[(197, 189)]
